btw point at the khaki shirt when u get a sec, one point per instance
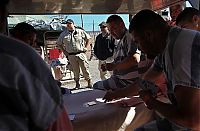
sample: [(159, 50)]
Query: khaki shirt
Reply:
[(73, 41)]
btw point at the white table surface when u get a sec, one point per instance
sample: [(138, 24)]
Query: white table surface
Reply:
[(99, 117)]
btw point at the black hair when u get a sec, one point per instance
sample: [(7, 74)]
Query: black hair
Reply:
[(3, 6), (23, 29), (187, 15), (3, 3), (114, 18), (146, 20)]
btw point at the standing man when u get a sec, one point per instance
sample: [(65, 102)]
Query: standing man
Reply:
[(126, 57), (178, 56), (74, 42), (104, 49)]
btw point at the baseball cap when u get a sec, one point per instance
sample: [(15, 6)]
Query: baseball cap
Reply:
[(103, 24), (69, 21)]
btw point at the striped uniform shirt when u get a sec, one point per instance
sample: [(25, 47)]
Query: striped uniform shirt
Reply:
[(181, 64), (30, 99), (126, 47), (120, 79), (181, 60)]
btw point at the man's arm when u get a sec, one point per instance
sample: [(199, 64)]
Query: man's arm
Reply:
[(128, 62), (152, 74), (64, 51), (87, 38), (87, 43), (61, 44), (125, 64), (186, 113), (132, 89)]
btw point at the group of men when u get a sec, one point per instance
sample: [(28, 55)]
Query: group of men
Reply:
[(174, 65), (176, 56), (33, 98)]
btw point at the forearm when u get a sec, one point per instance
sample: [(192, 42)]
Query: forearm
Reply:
[(126, 63), (151, 75), (131, 90), (171, 112), (166, 109), (87, 43)]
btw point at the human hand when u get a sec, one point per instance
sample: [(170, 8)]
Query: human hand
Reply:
[(66, 53), (110, 66), (85, 49), (103, 67), (147, 97), (109, 96)]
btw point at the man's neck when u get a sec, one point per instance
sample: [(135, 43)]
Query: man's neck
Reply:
[(104, 33)]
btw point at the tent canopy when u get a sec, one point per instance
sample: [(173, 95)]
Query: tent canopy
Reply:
[(86, 6)]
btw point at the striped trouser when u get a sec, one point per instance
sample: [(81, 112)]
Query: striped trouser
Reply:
[(113, 83)]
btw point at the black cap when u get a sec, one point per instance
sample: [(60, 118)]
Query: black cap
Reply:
[(69, 21), (103, 24)]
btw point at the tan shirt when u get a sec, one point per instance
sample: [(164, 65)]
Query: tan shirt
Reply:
[(73, 41)]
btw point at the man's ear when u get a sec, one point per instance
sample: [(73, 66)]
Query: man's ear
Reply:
[(195, 19)]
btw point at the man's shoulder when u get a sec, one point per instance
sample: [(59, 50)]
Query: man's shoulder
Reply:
[(64, 32), (99, 36), (9, 44), (183, 38), (80, 30), (19, 50)]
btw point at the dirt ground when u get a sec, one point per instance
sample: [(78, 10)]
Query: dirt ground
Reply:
[(93, 68)]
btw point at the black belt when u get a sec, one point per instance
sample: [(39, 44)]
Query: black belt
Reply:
[(75, 53)]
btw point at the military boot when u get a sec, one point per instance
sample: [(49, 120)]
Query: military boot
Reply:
[(77, 85), (89, 84)]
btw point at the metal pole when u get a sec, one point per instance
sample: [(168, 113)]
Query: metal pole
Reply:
[(82, 20)]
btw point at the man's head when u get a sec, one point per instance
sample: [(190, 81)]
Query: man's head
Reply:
[(70, 24), (116, 26), (103, 27), (149, 30), (3, 15), (25, 32), (189, 18)]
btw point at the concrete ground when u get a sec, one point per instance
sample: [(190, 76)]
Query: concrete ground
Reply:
[(70, 83)]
